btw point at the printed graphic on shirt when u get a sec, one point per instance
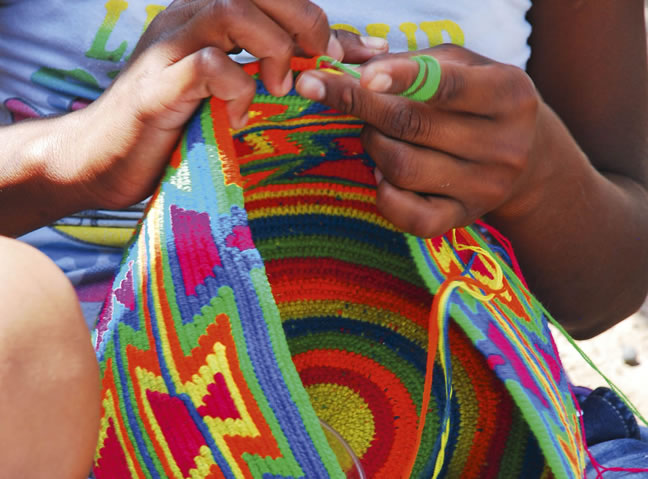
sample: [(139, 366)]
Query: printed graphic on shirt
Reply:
[(436, 32), (114, 9), (88, 43), (20, 109), (71, 89)]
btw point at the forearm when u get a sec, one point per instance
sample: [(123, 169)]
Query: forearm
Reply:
[(581, 239), (38, 180)]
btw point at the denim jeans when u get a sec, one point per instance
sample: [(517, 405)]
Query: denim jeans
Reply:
[(613, 436)]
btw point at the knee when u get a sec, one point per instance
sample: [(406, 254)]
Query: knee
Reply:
[(41, 312), (49, 379), (33, 287)]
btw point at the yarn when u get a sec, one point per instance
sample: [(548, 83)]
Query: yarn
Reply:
[(263, 291)]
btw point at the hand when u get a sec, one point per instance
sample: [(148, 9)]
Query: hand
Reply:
[(468, 151), (181, 59)]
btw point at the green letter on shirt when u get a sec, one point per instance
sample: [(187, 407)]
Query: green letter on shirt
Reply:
[(114, 9)]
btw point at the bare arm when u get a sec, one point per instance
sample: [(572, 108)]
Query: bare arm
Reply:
[(585, 244), (36, 186), (570, 192), (112, 153)]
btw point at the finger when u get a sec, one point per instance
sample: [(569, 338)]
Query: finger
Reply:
[(357, 49), (479, 187), (477, 87), (485, 90), (413, 133), (460, 134), (240, 24), (207, 72), (306, 23), (414, 168), (397, 72), (423, 216)]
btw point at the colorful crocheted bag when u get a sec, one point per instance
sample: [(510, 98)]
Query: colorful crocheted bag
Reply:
[(263, 292)]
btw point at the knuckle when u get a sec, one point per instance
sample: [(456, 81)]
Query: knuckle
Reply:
[(315, 16), (397, 167), (348, 100), (423, 226), (209, 64), (283, 46), (208, 59), (520, 91), (145, 112), (408, 122), (527, 95), (514, 155), (448, 47), (451, 85), (248, 88), (228, 11)]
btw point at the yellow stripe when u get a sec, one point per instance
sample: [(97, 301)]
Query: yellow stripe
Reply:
[(204, 463), (343, 121), (382, 317), (217, 427), (100, 235), (363, 194), (532, 361), (328, 210)]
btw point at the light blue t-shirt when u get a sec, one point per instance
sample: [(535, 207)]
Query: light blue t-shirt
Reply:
[(58, 55)]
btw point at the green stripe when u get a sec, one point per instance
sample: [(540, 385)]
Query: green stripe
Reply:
[(348, 250)]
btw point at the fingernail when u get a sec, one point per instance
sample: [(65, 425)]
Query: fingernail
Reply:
[(378, 175), (286, 85), (375, 43), (380, 83), (334, 48), (311, 87)]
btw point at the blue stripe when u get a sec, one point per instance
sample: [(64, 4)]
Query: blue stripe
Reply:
[(343, 227)]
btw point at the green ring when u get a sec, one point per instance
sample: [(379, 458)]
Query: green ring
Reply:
[(430, 70), (423, 88)]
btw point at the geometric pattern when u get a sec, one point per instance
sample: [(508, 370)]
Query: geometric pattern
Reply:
[(263, 290)]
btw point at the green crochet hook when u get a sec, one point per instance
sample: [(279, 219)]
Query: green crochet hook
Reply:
[(423, 88)]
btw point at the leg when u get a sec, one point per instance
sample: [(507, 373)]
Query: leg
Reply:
[(49, 378)]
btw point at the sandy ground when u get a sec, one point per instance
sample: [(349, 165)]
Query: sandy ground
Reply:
[(621, 353)]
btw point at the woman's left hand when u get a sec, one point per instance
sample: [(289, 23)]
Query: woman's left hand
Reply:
[(467, 151)]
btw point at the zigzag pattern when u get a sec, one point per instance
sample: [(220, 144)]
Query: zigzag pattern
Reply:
[(249, 305)]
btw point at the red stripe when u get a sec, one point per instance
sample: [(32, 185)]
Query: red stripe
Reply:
[(377, 402)]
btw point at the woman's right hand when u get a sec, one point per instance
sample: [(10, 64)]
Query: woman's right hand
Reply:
[(182, 58)]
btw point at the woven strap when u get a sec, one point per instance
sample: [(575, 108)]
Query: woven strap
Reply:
[(197, 374)]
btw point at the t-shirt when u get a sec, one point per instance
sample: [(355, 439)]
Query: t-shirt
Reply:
[(58, 55)]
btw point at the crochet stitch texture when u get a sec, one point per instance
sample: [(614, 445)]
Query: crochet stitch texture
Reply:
[(253, 301)]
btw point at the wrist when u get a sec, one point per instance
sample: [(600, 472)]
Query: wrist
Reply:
[(37, 184), (556, 166), (59, 156)]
